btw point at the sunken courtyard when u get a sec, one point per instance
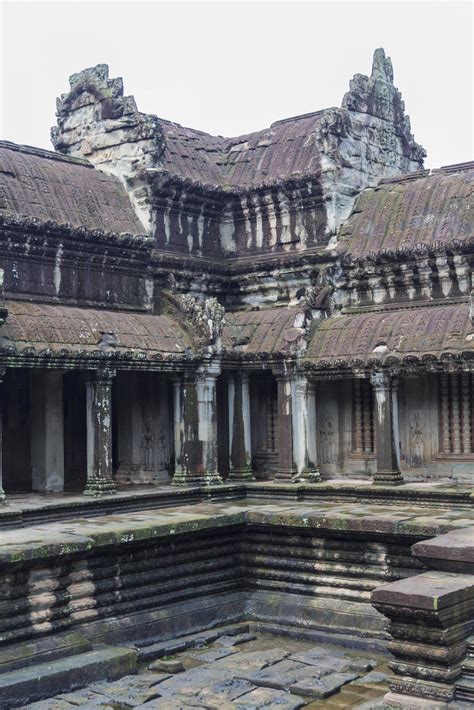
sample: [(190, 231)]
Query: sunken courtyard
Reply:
[(236, 412)]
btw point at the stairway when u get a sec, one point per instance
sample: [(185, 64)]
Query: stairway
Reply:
[(465, 684)]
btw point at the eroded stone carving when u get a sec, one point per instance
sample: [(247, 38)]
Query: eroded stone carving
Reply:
[(206, 319), (96, 121)]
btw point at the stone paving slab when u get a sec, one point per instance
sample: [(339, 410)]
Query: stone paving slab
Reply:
[(268, 698), (235, 640), (213, 655), (226, 690), (264, 673), (252, 661), (281, 675), (322, 687)]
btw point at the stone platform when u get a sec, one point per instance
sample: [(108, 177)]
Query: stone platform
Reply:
[(31, 508), (123, 571)]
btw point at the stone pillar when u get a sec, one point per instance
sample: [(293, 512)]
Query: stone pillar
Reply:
[(386, 429), (198, 432), (3, 500), (239, 428), (178, 427), (99, 433), (304, 430), (430, 623), (296, 415), (47, 432)]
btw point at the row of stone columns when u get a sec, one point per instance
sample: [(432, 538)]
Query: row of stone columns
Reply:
[(195, 429)]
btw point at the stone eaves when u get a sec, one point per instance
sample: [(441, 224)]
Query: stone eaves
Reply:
[(424, 332), (33, 328), (47, 186), (421, 208)]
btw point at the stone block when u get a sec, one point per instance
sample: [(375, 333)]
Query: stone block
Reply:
[(281, 675), (252, 661), (268, 698), (43, 650), (44, 680), (235, 640), (453, 551), (322, 687), (167, 666), (213, 654), (227, 690)]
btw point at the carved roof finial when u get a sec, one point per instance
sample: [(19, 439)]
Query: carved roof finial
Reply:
[(382, 66)]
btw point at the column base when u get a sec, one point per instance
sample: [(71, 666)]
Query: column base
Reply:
[(308, 476), (388, 478), (286, 475), (3, 497), (187, 478), (99, 487), (137, 475), (241, 474)]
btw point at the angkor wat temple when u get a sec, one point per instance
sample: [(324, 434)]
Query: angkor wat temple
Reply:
[(278, 327)]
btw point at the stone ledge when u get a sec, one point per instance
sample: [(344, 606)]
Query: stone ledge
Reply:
[(431, 591), (452, 551), (23, 686)]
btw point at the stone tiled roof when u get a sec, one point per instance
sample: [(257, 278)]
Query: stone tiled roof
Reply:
[(50, 187), (267, 331), (414, 209), (288, 149), (40, 327), (425, 331)]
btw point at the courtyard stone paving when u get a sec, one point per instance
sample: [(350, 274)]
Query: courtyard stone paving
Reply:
[(241, 672)]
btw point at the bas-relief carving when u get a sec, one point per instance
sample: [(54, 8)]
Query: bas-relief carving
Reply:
[(327, 440), (144, 448), (417, 438)]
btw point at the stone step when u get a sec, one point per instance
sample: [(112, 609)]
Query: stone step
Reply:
[(43, 680), (465, 689), (465, 684), (151, 651), (42, 650)]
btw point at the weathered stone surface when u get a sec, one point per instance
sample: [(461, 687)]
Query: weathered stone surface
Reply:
[(227, 690), (42, 680), (253, 660), (281, 675), (235, 640), (267, 698), (212, 655), (322, 687), (431, 617), (453, 551), (166, 666)]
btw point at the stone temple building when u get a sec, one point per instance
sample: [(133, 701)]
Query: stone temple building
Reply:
[(288, 313)]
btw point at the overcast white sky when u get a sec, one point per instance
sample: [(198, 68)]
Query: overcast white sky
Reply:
[(233, 67)]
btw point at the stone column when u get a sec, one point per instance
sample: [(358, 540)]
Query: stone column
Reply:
[(386, 429), (304, 430), (286, 470), (239, 428), (47, 432), (3, 500), (99, 433), (296, 413), (198, 432), (178, 427)]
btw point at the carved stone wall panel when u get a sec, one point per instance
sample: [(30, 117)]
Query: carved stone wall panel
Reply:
[(144, 433), (328, 429)]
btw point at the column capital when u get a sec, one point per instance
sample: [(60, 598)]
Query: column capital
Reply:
[(381, 380), (101, 375)]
